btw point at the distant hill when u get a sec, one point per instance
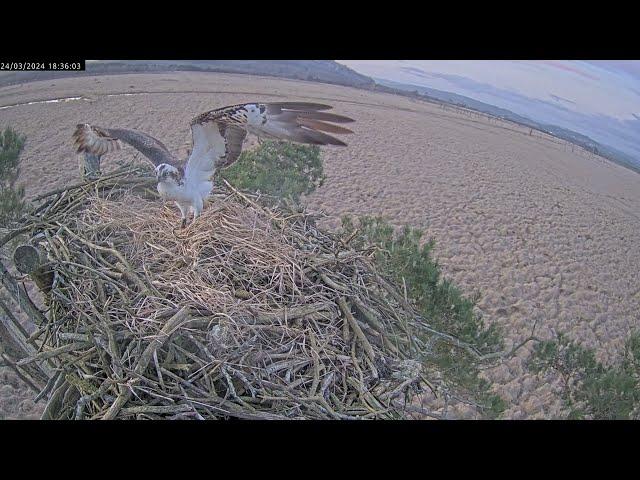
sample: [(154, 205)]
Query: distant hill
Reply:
[(454, 99), (324, 71), (576, 138)]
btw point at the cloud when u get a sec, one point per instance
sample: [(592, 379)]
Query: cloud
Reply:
[(596, 98), (630, 68), (567, 67), (417, 71), (560, 99)]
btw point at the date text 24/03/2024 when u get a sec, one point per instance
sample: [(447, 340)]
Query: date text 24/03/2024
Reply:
[(41, 66)]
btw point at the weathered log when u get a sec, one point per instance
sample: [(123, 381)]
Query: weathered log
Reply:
[(19, 294), (30, 261)]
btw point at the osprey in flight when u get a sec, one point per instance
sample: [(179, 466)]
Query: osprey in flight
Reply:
[(217, 142)]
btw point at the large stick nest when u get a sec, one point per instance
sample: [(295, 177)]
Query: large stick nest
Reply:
[(250, 312)]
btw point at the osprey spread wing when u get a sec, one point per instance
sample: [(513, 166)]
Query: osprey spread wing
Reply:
[(217, 136)]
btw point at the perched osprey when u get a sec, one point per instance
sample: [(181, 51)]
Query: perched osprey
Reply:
[(217, 142)]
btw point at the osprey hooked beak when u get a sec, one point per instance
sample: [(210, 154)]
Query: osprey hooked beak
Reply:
[(160, 174)]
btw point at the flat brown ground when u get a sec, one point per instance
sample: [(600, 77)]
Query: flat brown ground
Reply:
[(545, 234)]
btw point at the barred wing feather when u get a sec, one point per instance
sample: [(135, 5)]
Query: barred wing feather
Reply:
[(218, 135), (100, 141)]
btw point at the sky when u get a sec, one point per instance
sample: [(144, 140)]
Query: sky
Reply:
[(600, 98)]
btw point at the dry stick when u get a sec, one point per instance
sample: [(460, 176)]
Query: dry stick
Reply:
[(368, 315), (316, 364), (158, 372), (55, 402), (87, 398), (16, 338), (292, 313), (12, 332), (11, 235), (345, 330), (332, 284), (261, 208), (127, 267), (164, 334), (24, 375), (130, 275), (504, 355), (53, 382), (118, 173), (353, 323), (179, 408), (53, 353), (49, 205)]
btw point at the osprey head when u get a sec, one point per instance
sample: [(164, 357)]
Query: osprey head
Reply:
[(168, 173)]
